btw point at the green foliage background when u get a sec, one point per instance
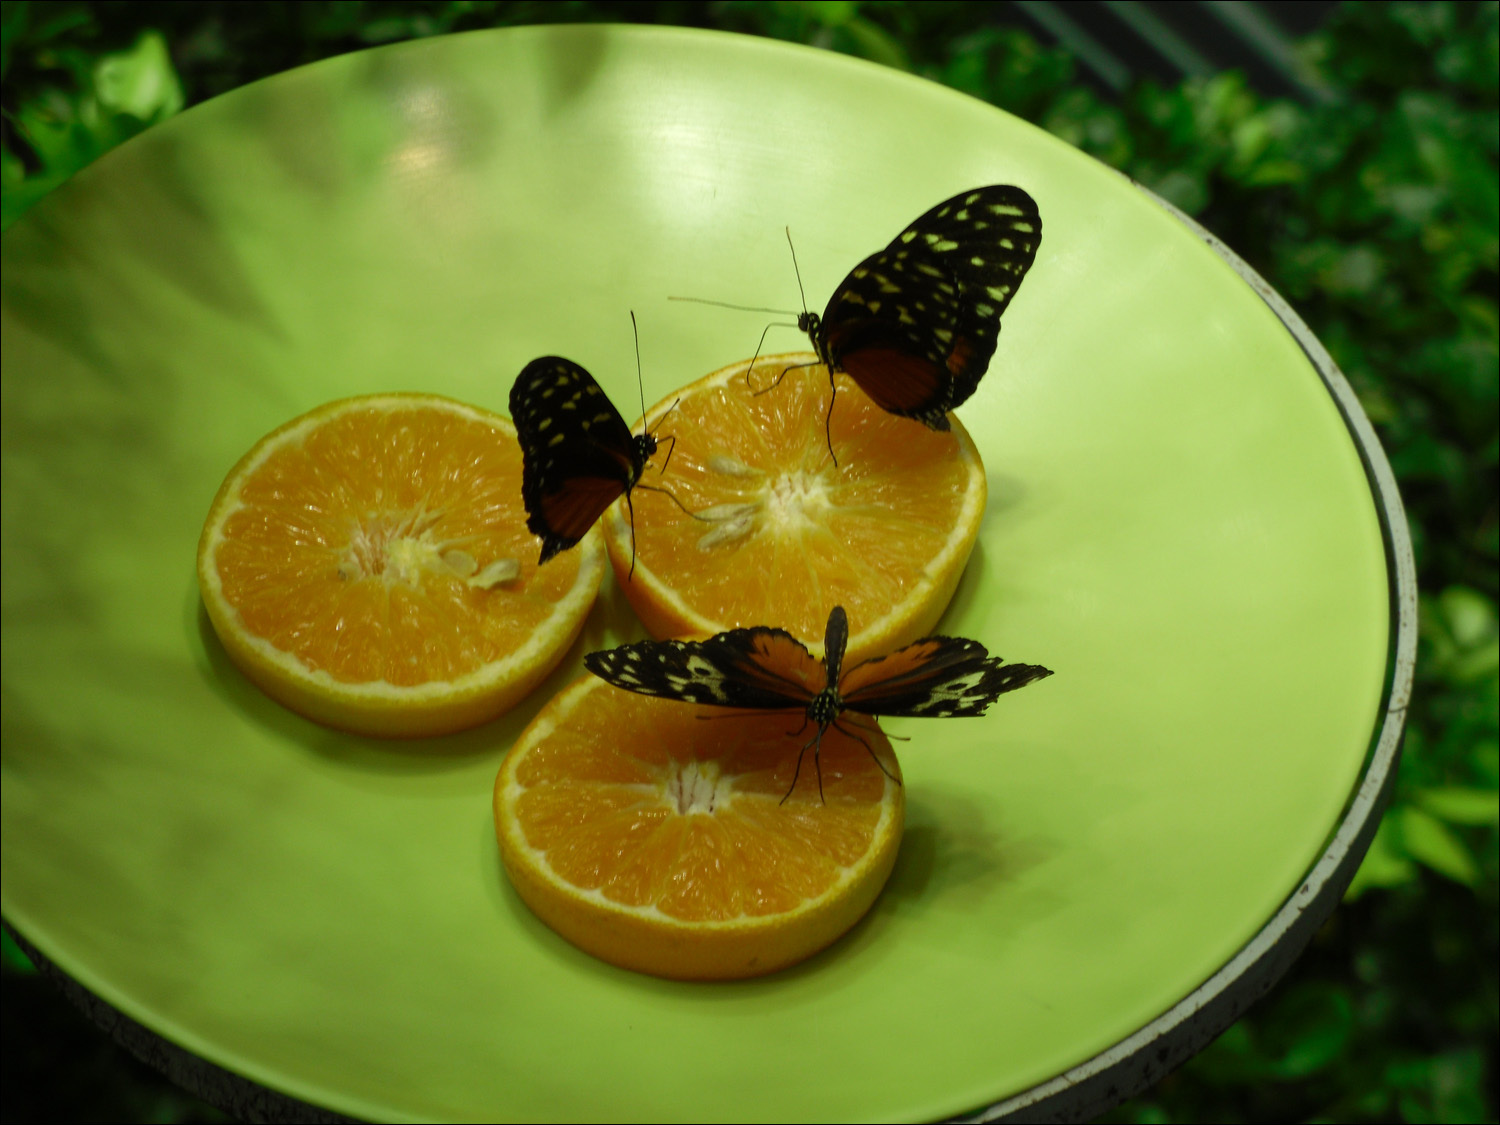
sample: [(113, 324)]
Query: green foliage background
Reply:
[(1374, 212)]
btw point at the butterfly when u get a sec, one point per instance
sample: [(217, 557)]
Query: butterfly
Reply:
[(915, 324), (577, 454), (766, 669)]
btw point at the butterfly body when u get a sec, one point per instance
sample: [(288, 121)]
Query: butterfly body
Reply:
[(767, 669), (578, 455), (915, 324)]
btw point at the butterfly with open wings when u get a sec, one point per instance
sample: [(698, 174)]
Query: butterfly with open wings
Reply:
[(756, 668), (915, 324)]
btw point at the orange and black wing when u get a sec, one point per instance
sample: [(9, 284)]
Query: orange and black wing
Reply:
[(758, 669), (915, 324), (578, 455), (935, 677)]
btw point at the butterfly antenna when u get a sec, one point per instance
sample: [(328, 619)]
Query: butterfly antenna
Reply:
[(667, 412), (727, 305), (639, 382), (797, 271), (667, 492)]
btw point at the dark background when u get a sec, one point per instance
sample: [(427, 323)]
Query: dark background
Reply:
[(1347, 151)]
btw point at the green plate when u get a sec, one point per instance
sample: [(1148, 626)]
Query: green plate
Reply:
[(1179, 524)]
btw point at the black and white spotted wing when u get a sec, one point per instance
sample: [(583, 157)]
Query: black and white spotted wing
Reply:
[(766, 669), (769, 669), (938, 677), (760, 669), (578, 455), (915, 324)]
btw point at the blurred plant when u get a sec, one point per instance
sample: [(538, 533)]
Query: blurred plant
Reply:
[(1374, 211), (78, 104)]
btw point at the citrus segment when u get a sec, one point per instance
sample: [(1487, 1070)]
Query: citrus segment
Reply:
[(368, 565), (781, 533), (653, 834)]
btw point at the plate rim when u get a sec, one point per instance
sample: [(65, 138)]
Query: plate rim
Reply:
[(1147, 1055), (1143, 1057)]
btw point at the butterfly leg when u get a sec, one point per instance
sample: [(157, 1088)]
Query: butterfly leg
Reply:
[(783, 375), (796, 773), (816, 742), (629, 507), (762, 343), (668, 494), (653, 430), (833, 393), (870, 748), (872, 730), (818, 762)]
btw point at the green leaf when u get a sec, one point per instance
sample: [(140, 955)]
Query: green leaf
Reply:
[(1356, 272), (1181, 187), (1477, 665), (1461, 805), (1385, 864), (1273, 172), (13, 20), (830, 13), (873, 42), (1485, 759), (1446, 1087), (1469, 616), (140, 81), (13, 957), (1308, 1029), (1434, 845), (12, 171)]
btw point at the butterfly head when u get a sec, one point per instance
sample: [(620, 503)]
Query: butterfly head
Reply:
[(812, 324), (645, 447), (646, 442)]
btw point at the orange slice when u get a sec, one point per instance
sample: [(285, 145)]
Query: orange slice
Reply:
[(658, 841), (368, 566), (783, 534)]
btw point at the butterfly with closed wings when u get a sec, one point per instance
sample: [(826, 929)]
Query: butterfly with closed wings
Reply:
[(577, 454), (915, 324), (766, 669)]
